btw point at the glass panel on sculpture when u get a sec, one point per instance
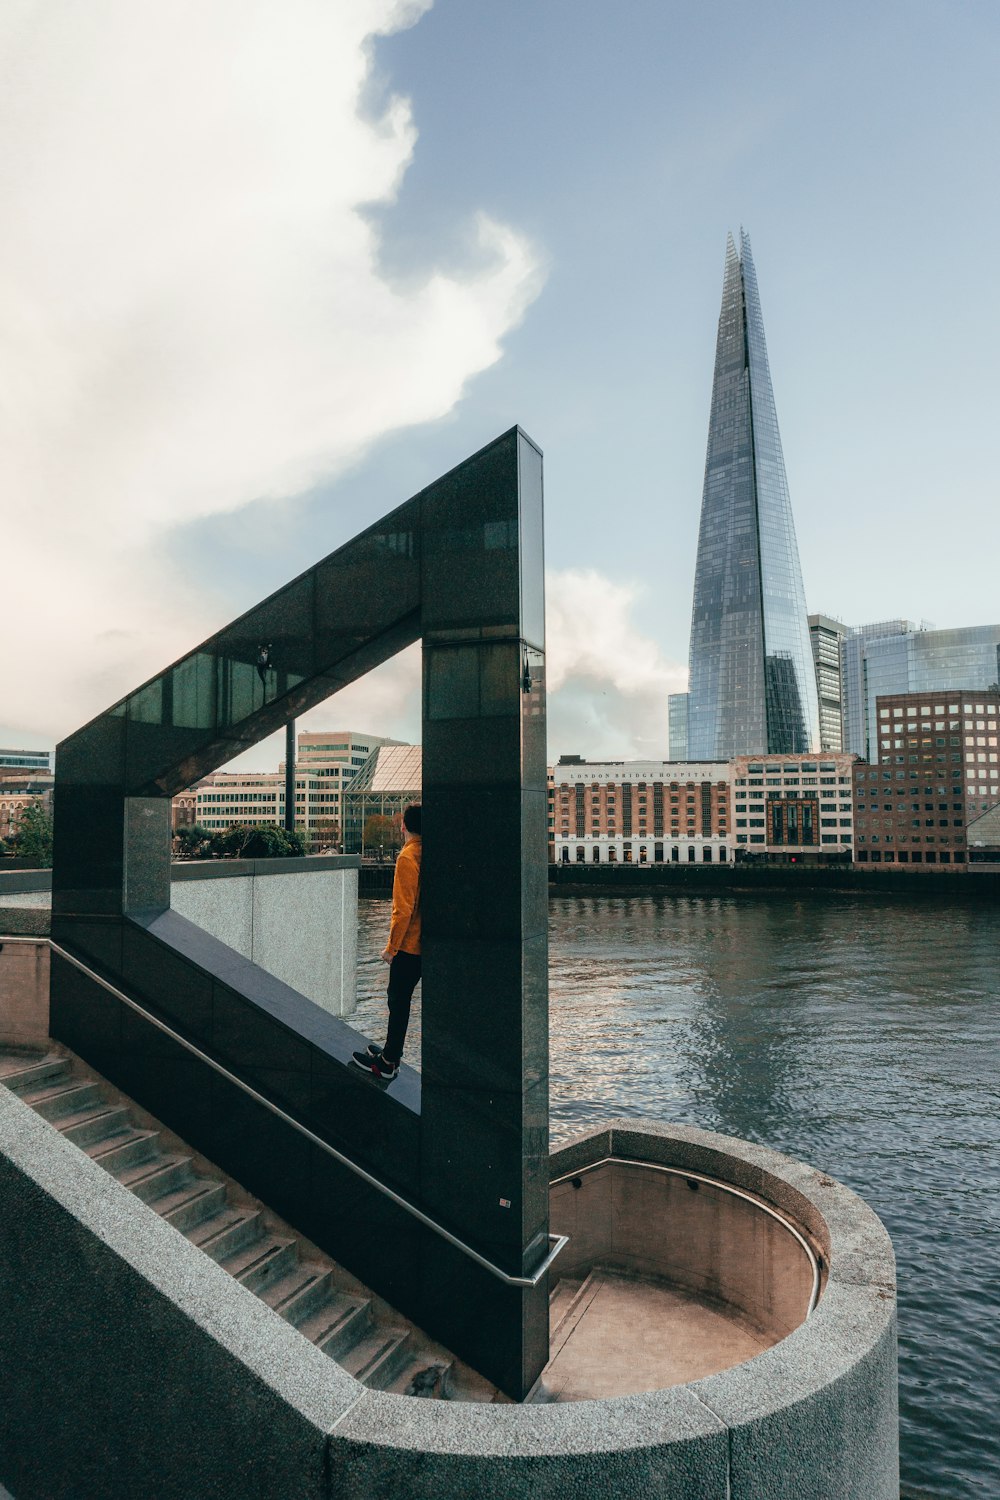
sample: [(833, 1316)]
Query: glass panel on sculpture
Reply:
[(752, 686), (471, 573)]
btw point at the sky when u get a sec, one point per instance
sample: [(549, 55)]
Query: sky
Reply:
[(267, 271)]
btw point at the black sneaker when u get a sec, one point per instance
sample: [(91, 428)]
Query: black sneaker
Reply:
[(374, 1050), (376, 1066)]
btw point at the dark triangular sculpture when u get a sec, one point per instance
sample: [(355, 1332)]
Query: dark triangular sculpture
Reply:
[(459, 566)]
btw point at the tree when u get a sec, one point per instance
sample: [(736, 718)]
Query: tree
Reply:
[(32, 839), (253, 841), (381, 833), (193, 839)]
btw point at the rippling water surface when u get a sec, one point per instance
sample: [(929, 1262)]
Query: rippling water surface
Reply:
[(862, 1036)]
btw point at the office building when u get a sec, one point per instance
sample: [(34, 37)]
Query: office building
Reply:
[(752, 686), (640, 812), (937, 773), (326, 763), (677, 726), (825, 636), (25, 760), (384, 787), (897, 657), (793, 808)]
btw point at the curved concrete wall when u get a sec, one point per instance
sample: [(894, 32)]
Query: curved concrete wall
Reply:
[(688, 1230), (160, 1375)]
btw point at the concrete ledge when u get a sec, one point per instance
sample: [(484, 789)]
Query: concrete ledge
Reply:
[(131, 1364), (24, 992)]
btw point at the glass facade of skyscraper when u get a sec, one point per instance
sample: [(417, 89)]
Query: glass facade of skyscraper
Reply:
[(753, 686), (895, 657)]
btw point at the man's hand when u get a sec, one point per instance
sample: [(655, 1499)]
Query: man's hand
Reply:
[(387, 957)]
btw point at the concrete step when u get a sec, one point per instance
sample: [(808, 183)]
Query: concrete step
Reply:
[(420, 1377), (124, 1150), (561, 1298), (383, 1354), (378, 1358), (304, 1290), (228, 1232), (190, 1204), (149, 1180), (26, 1070), (97, 1123), (262, 1264), (67, 1097), (339, 1324)]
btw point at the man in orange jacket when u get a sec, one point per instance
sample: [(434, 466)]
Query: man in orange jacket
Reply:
[(401, 953)]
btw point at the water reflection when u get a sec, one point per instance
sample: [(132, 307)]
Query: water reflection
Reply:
[(860, 1035)]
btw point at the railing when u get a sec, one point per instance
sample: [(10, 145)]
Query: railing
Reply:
[(559, 1240), (724, 1187)]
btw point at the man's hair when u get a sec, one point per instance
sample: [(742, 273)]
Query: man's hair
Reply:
[(411, 818)]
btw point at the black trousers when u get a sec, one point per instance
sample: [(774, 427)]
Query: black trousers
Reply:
[(404, 976)]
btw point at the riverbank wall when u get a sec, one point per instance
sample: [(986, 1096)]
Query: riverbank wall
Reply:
[(630, 880)]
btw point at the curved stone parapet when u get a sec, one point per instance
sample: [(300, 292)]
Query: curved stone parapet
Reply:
[(813, 1417)]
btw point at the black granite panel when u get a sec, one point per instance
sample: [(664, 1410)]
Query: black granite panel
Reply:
[(172, 1084), (470, 889), (268, 1157), (176, 990), (84, 1017), (265, 1053), (529, 460), (88, 864), (480, 1168), (367, 1234), (479, 1041), (146, 885), (366, 588), (95, 754), (97, 940), (364, 1119), (534, 753), (477, 753), (470, 559), (535, 868)]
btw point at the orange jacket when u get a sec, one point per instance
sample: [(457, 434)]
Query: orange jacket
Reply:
[(404, 929)]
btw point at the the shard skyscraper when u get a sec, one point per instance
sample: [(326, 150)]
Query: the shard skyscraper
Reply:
[(753, 687)]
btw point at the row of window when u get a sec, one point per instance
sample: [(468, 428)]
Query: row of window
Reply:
[(629, 856), (911, 856)]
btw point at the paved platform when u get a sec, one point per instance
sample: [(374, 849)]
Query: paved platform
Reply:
[(615, 1335)]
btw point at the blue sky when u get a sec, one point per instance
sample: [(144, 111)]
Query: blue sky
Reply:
[(615, 146)]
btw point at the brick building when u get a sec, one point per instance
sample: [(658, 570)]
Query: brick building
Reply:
[(937, 771), (640, 812), (792, 808)]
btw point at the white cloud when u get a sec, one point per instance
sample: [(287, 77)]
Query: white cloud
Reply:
[(608, 683), (192, 314)]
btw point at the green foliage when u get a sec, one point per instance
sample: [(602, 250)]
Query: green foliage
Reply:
[(32, 839), (193, 840), (266, 841), (381, 833)]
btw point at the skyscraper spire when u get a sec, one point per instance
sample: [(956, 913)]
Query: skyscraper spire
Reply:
[(752, 688)]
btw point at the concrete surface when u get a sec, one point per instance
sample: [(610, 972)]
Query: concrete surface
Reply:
[(24, 993), (298, 919), (131, 1364)]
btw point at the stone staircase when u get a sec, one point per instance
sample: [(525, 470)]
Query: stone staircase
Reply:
[(310, 1291)]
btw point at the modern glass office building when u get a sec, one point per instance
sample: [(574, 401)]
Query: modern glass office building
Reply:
[(753, 685), (895, 657)]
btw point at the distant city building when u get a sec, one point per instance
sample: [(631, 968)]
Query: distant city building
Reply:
[(325, 764), (385, 786), (19, 790), (25, 760), (825, 635), (938, 772), (752, 686), (677, 726), (640, 812), (896, 656), (792, 808), (984, 841)]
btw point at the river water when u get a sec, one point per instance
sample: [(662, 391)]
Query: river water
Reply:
[(861, 1036)]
